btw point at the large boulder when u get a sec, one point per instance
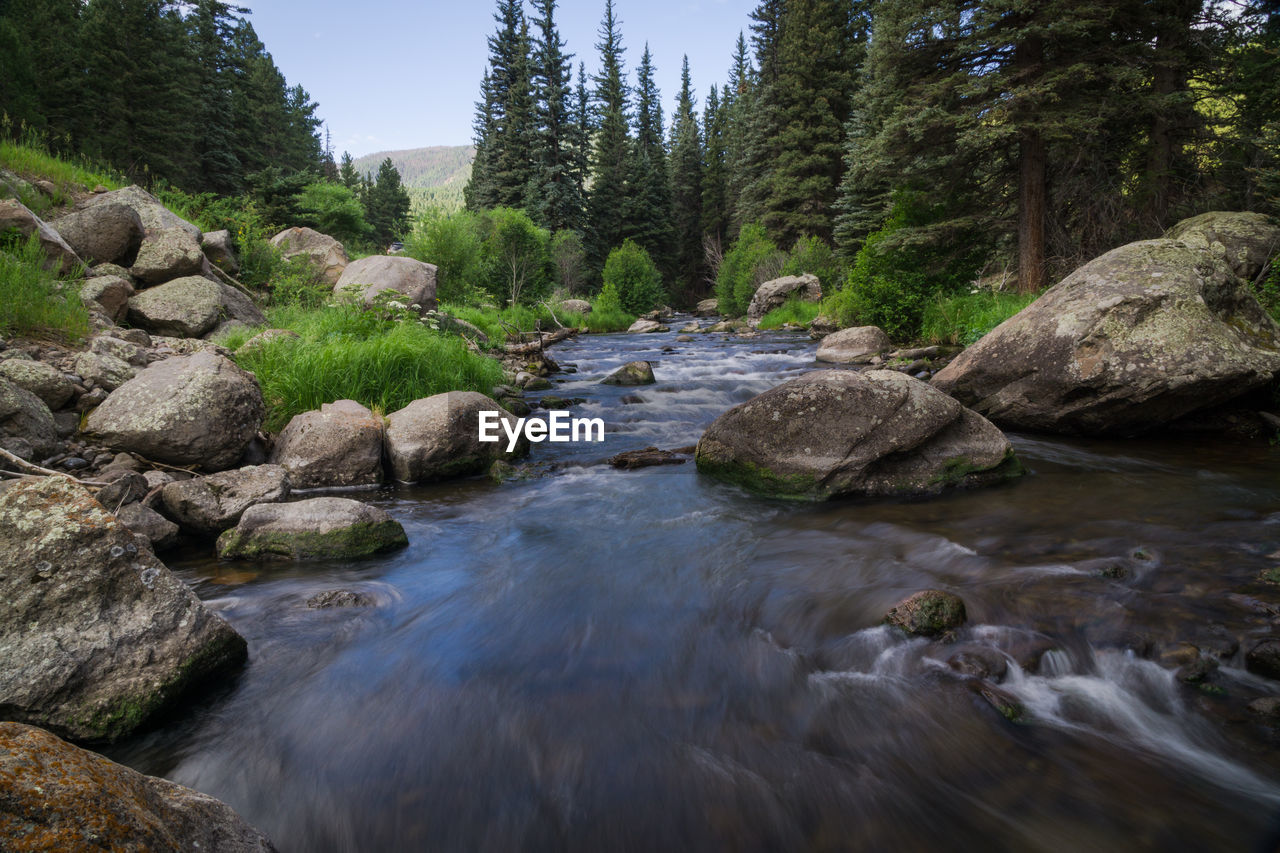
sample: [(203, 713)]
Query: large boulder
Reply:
[(840, 432), (167, 254), (340, 445), (318, 528), (211, 504), (190, 307), (774, 294), (199, 409), (102, 233), (439, 437), (25, 419), (325, 254), (221, 251), (368, 277), (1132, 340), (577, 306), (707, 308), (110, 293), (96, 634), (60, 797), (1247, 241), (154, 215), (14, 216), (43, 380), (851, 346)]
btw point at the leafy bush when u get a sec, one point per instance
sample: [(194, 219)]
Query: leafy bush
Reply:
[(892, 281), (453, 242), (813, 255), (332, 209), (794, 311), (634, 277), (516, 255), (35, 303), (752, 261), (569, 257), (964, 318), (345, 352)]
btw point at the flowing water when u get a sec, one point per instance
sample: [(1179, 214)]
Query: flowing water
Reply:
[(593, 659)]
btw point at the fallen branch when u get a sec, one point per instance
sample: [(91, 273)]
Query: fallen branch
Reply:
[(545, 339), (229, 280), (36, 470), (554, 319)]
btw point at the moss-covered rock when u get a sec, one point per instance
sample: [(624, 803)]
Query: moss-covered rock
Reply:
[(330, 528), (631, 373), (928, 613)]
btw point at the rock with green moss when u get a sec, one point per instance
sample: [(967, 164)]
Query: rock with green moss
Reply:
[(438, 437), (318, 528), (1130, 342), (60, 797), (834, 433), (928, 613), (631, 373), (96, 634)]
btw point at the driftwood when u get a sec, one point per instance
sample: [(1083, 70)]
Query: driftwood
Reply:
[(231, 282), (545, 339), (32, 470)]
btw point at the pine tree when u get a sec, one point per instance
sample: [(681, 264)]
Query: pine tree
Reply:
[(759, 111), (686, 187), (557, 200), (715, 176), (648, 203), (609, 162), (739, 95), (387, 204), (347, 175), (480, 192), (211, 25), (583, 129)]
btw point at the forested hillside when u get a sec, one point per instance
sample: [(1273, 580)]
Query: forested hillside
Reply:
[(426, 168)]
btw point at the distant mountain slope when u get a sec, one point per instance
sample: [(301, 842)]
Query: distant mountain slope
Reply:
[(438, 166)]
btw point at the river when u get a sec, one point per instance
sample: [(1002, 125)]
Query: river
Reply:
[(600, 660)]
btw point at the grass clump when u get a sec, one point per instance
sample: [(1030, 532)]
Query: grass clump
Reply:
[(964, 318), (35, 303), (794, 311), (343, 352), (31, 160)]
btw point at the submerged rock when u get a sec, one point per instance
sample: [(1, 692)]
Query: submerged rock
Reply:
[(340, 445), (96, 634), (839, 432), (1129, 342), (438, 437), (631, 373), (340, 598), (60, 797), (318, 528), (928, 613)]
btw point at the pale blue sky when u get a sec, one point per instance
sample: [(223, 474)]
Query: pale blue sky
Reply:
[(391, 75)]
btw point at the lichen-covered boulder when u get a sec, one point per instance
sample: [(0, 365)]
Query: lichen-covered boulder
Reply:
[(840, 432), (60, 797), (438, 437), (707, 308), (221, 251), (104, 370), (102, 233), (43, 380), (851, 346), (126, 351), (340, 445), (110, 293), (318, 528), (14, 216), (577, 306), (199, 409), (631, 373), (154, 215), (25, 418), (1246, 241), (774, 294), (211, 504), (1129, 342), (191, 307), (928, 613), (96, 634), (413, 282), (324, 254), (165, 255)]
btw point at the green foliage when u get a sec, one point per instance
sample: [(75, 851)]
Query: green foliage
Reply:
[(814, 255), (497, 323), (516, 251), (453, 242), (750, 263), (332, 209), (31, 158), (795, 312), (35, 303), (964, 318), (636, 279), (607, 313), (1269, 292), (892, 281), (345, 352), (569, 256), (387, 205)]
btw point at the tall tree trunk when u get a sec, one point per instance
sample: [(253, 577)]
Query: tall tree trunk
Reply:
[(1169, 121), (1032, 171)]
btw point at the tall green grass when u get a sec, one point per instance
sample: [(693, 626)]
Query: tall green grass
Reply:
[(345, 352), (606, 319), (964, 318), (35, 303), (31, 160), (795, 311)]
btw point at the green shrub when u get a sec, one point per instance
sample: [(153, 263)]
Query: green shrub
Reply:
[(1268, 291), (634, 277), (333, 209), (813, 255), (35, 303), (794, 311), (345, 352), (453, 242), (569, 257), (752, 261), (515, 252), (964, 318)]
